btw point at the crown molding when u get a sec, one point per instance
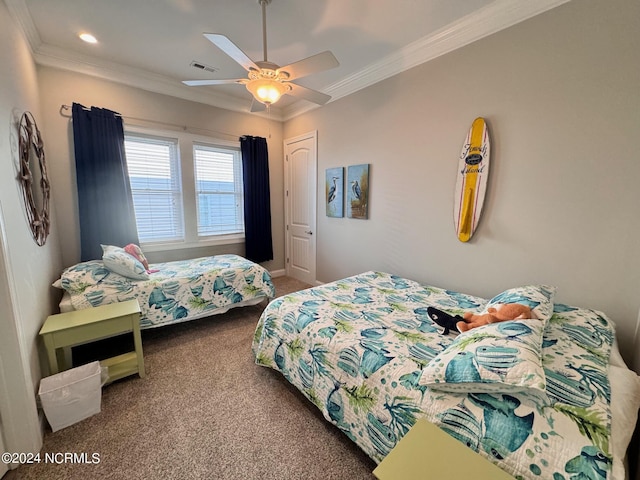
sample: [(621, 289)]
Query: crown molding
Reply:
[(20, 12), (496, 16), (55, 57)]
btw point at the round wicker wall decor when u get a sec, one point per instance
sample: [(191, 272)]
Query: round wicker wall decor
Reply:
[(33, 170)]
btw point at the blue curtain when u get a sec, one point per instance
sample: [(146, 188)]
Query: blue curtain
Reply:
[(257, 199), (104, 194)]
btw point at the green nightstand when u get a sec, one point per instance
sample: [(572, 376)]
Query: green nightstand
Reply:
[(91, 324), (428, 453)]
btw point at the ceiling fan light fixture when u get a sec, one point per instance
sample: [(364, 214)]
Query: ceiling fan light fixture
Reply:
[(267, 91), (266, 81), (87, 37)]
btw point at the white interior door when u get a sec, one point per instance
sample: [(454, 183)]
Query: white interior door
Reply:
[(300, 206)]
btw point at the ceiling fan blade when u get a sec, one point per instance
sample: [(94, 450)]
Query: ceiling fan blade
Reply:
[(257, 106), (307, 66), (231, 49), (197, 83), (308, 94)]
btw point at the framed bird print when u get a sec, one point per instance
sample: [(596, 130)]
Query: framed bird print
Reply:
[(334, 188), (358, 191)]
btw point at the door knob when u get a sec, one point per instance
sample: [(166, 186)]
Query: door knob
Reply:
[(309, 232)]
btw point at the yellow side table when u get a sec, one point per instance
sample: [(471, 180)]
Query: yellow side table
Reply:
[(91, 324), (428, 453)]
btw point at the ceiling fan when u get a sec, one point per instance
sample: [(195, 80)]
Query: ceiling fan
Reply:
[(267, 81)]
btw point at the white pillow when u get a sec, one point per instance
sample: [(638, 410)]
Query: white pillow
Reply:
[(616, 358), (120, 262), (625, 401)]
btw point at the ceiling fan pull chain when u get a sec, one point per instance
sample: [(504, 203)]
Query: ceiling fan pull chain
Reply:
[(269, 119)]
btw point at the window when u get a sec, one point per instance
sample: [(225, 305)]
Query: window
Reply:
[(218, 175), (187, 191), (154, 174)]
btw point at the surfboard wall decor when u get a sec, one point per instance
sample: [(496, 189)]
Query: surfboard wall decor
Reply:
[(471, 184)]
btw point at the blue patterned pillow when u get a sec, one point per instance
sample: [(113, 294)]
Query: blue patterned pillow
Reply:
[(502, 357), (77, 278), (120, 262), (539, 298)]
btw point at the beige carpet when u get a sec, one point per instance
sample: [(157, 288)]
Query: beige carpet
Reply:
[(204, 411)]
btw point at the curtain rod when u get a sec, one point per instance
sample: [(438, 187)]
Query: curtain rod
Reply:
[(133, 121)]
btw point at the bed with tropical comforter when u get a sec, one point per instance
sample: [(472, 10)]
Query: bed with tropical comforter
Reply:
[(174, 291), (532, 396)]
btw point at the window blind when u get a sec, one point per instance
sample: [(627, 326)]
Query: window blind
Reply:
[(219, 191), (154, 174)]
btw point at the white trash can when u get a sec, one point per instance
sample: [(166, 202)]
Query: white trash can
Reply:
[(70, 396)]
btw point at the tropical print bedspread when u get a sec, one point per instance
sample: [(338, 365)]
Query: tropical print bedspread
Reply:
[(178, 291), (357, 348)]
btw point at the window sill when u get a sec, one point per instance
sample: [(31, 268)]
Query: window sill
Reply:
[(218, 240)]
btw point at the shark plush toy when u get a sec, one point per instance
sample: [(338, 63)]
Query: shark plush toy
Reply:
[(501, 312)]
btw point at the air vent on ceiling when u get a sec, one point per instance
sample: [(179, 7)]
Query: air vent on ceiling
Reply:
[(202, 66)]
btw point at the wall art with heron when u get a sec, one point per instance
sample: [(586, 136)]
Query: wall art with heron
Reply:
[(334, 188), (358, 191)]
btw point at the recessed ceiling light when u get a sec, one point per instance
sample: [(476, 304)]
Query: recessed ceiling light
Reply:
[(87, 37)]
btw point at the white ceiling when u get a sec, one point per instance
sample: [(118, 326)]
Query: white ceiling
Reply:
[(151, 43)]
